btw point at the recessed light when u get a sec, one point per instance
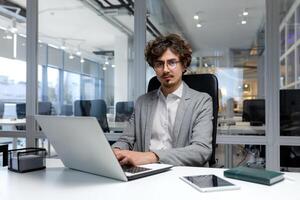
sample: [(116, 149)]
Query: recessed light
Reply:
[(245, 12), (78, 53), (199, 25), (243, 21), (196, 17)]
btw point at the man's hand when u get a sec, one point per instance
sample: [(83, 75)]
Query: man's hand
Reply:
[(126, 157)]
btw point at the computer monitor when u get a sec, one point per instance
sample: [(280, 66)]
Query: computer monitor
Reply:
[(254, 111)]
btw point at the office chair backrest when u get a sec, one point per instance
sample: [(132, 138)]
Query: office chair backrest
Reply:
[(1, 109), (66, 110), (254, 111), (44, 108), (124, 110), (95, 108), (207, 83)]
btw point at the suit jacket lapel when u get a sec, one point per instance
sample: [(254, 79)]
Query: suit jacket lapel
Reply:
[(181, 110), (151, 108)]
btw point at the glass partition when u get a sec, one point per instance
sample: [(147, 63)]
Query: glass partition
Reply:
[(289, 91)]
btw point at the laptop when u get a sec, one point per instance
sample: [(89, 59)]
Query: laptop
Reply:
[(81, 145)]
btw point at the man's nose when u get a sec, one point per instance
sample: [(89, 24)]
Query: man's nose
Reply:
[(166, 67)]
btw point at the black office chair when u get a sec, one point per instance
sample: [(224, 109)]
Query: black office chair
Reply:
[(44, 108), (207, 83), (66, 110), (95, 108), (254, 111), (124, 110)]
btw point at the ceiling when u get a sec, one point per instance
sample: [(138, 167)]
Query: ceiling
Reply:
[(221, 22), (81, 25)]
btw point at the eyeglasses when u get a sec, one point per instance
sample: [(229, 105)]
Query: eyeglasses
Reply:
[(159, 64)]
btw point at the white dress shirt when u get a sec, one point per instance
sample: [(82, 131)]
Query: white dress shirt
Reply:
[(164, 119)]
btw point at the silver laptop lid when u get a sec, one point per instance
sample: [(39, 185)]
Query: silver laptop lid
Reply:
[(81, 145)]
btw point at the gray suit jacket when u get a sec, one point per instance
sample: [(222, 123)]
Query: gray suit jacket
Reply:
[(192, 134)]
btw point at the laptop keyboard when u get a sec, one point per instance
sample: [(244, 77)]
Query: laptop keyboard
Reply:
[(133, 170)]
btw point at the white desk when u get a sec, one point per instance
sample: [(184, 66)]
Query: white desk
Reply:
[(241, 130), (10, 125), (12, 122), (57, 182)]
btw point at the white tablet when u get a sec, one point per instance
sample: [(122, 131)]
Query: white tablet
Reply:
[(207, 183)]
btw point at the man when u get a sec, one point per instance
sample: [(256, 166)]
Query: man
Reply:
[(173, 124)]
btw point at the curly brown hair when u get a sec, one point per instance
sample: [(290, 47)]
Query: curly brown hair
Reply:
[(156, 48)]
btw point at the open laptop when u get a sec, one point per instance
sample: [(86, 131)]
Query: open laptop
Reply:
[(81, 145)]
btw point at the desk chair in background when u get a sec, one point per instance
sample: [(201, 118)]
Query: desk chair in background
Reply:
[(95, 108), (124, 110), (207, 83), (254, 111), (66, 110), (1, 109), (44, 108)]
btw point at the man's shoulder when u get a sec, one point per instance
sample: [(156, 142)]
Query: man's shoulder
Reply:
[(196, 94), (147, 97)]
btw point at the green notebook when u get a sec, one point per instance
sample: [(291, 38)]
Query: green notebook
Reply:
[(266, 177)]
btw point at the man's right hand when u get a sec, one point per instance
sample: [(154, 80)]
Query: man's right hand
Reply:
[(126, 157)]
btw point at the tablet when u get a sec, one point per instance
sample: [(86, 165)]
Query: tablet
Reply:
[(207, 183)]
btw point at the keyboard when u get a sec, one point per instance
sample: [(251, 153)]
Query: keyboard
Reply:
[(133, 170)]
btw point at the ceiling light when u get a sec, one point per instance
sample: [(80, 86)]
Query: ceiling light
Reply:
[(196, 17), (82, 60), (245, 12), (78, 53), (104, 68), (63, 45), (106, 62), (199, 25), (113, 66), (71, 57), (243, 21)]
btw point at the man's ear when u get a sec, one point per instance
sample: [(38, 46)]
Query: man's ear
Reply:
[(184, 70)]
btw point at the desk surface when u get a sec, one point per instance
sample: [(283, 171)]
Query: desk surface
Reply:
[(242, 130), (12, 121), (57, 182)]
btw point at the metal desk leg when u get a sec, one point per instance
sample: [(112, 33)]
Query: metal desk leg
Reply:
[(228, 156), (14, 143), (4, 150)]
